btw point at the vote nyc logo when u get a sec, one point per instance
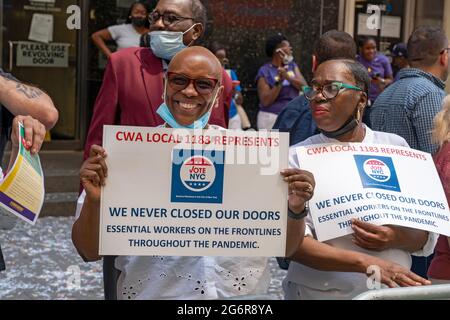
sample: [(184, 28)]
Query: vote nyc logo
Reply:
[(196, 177), (377, 172)]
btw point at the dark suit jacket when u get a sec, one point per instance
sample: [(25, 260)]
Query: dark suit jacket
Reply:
[(132, 91)]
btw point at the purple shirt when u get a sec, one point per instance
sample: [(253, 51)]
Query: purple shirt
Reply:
[(381, 66), (287, 93)]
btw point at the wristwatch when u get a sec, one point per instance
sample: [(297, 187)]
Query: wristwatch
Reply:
[(298, 216)]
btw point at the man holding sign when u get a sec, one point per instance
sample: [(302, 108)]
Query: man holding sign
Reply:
[(192, 87), (338, 267)]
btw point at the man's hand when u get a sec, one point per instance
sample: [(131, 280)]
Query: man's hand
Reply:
[(371, 237), (34, 133), (94, 172), (301, 188)]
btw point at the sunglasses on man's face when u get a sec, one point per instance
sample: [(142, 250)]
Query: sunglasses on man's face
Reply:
[(167, 18), (179, 82)]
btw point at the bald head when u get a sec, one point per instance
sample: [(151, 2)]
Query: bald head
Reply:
[(193, 84), (196, 62)]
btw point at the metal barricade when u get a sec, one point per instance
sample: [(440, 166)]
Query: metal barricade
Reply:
[(434, 292)]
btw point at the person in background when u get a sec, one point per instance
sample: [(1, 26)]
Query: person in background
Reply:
[(238, 116), (193, 78), (399, 55), (296, 118), (379, 69), (338, 268), (278, 81), (126, 35), (408, 107), (439, 271)]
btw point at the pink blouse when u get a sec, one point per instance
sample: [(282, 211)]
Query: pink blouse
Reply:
[(440, 266)]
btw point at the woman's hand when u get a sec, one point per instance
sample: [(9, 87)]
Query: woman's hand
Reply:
[(283, 74), (372, 237), (301, 188), (394, 275), (34, 133), (94, 172)]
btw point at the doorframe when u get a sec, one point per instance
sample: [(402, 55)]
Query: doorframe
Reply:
[(409, 16), (1, 32), (446, 27), (82, 73)]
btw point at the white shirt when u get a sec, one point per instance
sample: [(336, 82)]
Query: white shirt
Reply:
[(125, 36), (189, 278), (307, 283)]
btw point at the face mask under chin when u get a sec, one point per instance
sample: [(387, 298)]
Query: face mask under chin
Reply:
[(348, 126), (201, 123)]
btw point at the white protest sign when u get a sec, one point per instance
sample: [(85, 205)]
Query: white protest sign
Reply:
[(33, 54), (382, 185), (226, 198)]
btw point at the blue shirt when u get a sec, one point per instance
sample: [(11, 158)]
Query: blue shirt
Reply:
[(408, 107), (297, 119)]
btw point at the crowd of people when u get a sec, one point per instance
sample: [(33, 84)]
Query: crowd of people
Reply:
[(159, 77)]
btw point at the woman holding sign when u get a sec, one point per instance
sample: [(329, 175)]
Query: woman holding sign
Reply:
[(192, 86), (439, 271), (339, 268)]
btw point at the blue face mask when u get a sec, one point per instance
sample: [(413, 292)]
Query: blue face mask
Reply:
[(166, 115), (166, 44)]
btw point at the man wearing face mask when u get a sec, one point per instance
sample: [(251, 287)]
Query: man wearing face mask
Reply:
[(278, 81), (125, 35), (132, 89)]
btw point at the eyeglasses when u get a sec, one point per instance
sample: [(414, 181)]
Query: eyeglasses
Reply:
[(167, 18), (329, 91), (443, 50), (179, 82)]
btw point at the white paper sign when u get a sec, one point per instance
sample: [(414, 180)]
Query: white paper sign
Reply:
[(41, 28), (161, 198), (391, 27), (33, 54), (378, 184)]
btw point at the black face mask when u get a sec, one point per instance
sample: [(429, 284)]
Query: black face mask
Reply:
[(138, 22), (351, 124), (348, 126)]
